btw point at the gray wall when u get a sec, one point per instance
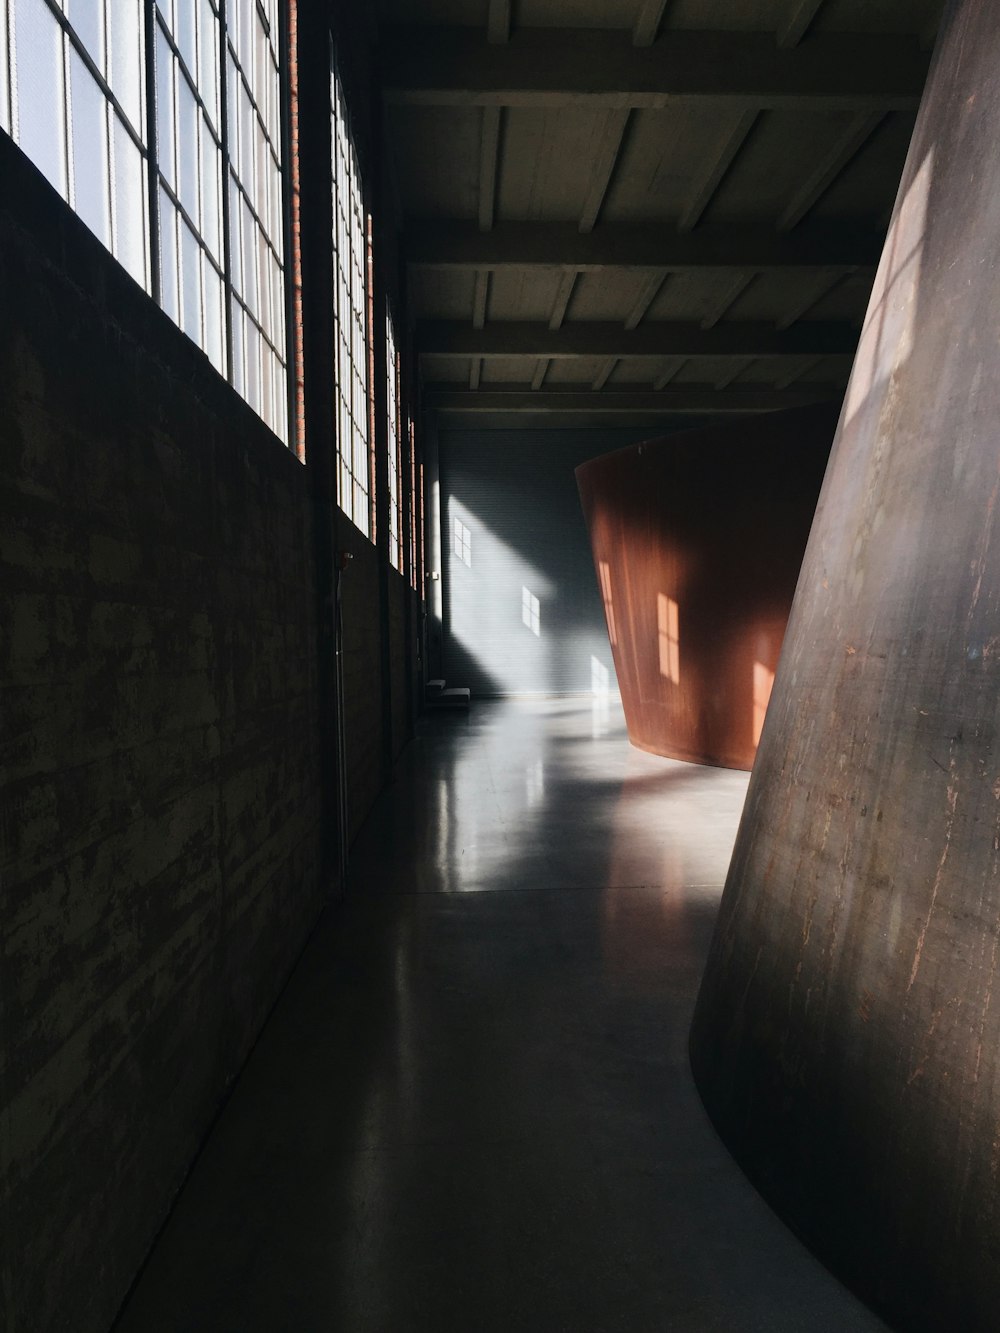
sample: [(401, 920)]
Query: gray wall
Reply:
[(515, 492)]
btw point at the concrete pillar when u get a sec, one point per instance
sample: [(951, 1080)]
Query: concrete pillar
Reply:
[(697, 541), (847, 1036)]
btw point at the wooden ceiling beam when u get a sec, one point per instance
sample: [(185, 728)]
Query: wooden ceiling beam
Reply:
[(635, 245), (453, 66), (657, 339)]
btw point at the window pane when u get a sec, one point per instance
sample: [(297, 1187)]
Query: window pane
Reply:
[(190, 283), (253, 365), (265, 386), (87, 18), (130, 212), (184, 34), (211, 171), (40, 98), (125, 39), (264, 284), (4, 90), (187, 147), (215, 342), (238, 371), (208, 60), (168, 258), (249, 259), (235, 238), (91, 177), (165, 109)]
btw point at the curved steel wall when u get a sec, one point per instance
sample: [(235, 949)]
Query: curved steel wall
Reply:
[(847, 1035), (697, 542)]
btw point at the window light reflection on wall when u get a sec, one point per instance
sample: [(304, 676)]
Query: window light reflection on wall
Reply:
[(668, 635), (763, 683), (604, 570), (462, 542), (530, 611)]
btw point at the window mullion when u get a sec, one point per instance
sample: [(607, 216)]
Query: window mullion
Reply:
[(227, 271), (152, 152)]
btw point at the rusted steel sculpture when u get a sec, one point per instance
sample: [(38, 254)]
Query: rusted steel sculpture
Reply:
[(697, 541), (847, 1036)]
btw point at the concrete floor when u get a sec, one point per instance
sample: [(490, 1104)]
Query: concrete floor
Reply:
[(471, 1111)]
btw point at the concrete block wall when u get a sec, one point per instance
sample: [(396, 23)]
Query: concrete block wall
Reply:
[(161, 805)]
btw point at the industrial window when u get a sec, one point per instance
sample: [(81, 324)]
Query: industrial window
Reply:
[(77, 103), (350, 318), (421, 535), (415, 507), (256, 203), (393, 444), (73, 97)]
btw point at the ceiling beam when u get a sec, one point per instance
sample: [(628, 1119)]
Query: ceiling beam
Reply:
[(734, 371), (564, 295), (804, 368), (489, 159), (480, 296), (717, 167), (828, 168), (813, 292), (452, 66), (800, 16), (647, 23), (475, 372), (455, 244), (680, 398), (733, 291), (538, 379), (658, 339), (498, 22), (602, 167), (678, 364), (651, 289), (606, 371)]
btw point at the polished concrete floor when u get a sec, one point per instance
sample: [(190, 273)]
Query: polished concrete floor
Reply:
[(471, 1111)]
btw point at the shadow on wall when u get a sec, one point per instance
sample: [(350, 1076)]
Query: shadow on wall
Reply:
[(847, 1037)]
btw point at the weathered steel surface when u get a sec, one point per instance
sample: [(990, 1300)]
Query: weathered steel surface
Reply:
[(697, 542), (847, 1036)]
